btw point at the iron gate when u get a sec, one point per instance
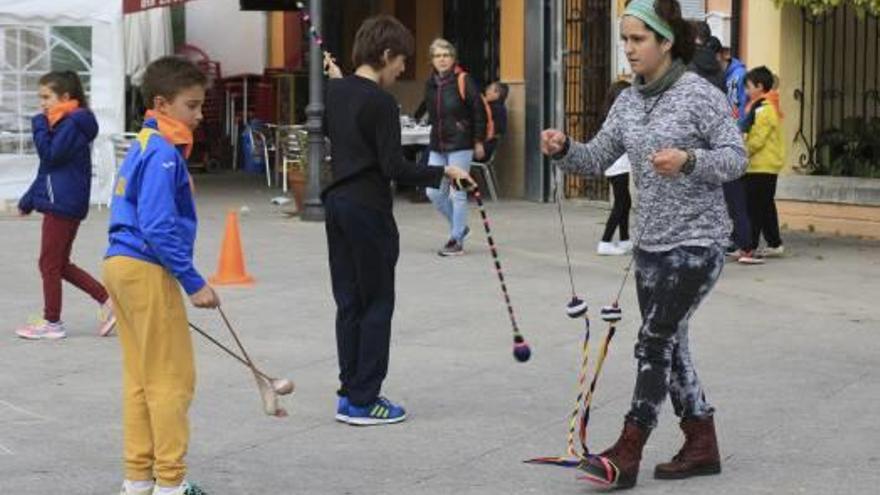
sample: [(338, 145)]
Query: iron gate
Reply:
[(587, 75), (839, 93)]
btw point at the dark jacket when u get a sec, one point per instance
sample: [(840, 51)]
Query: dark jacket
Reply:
[(456, 123), (363, 123), (64, 179), (499, 117), (705, 64)]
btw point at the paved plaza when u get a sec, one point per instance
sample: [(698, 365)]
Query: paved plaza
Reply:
[(788, 351)]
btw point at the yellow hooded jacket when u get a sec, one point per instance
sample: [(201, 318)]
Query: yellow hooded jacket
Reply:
[(764, 139)]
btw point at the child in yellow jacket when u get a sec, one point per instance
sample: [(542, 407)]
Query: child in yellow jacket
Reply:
[(762, 125)]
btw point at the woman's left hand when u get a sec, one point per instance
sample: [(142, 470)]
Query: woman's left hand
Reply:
[(668, 162), (479, 151)]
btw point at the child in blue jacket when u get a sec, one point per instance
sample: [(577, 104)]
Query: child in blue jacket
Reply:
[(63, 134), (153, 226)]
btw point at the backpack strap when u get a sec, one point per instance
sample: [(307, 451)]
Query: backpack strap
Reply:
[(462, 91), (462, 85)]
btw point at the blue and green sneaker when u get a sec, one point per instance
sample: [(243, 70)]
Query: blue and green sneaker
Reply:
[(380, 412)]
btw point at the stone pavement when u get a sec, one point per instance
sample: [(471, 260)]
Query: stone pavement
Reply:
[(788, 352)]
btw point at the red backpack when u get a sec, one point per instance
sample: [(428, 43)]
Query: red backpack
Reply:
[(462, 91)]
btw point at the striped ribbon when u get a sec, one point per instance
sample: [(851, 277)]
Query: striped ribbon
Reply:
[(518, 339)]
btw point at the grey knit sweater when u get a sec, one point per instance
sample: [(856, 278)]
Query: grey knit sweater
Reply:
[(688, 210)]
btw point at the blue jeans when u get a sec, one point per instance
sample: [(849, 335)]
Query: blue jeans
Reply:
[(450, 203)]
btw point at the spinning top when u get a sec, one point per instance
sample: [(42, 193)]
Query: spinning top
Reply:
[(576, 308), (611, 314)]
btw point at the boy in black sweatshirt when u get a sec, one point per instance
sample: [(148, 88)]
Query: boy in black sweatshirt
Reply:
[(363, 123)]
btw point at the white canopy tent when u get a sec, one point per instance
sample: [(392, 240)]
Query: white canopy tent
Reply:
[(148, 36), (37, 36)]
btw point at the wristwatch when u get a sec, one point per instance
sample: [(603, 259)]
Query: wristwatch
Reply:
[(564, 150), (691, 162)]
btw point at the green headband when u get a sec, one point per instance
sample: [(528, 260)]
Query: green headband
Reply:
[(644, 10)]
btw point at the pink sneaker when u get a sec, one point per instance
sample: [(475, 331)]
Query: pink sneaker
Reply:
[(106, 318), (42, 330)]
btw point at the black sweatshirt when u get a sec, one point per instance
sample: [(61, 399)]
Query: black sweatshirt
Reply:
[(363, 123)]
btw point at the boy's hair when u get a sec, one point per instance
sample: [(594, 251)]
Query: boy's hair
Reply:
[(702, 31), (613, 92), (761, 76), (377, 34), (713, 44), (503, 90), (168, 76), (66, 81), (442, 44)]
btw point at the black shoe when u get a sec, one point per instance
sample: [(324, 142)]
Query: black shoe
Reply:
[(452, 248)]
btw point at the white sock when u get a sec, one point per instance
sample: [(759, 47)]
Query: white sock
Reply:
[(138, 486), (166, 490)]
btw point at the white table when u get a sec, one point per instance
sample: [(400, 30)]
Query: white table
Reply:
[(415, 136)]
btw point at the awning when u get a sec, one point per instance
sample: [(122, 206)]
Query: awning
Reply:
[(147, 37)]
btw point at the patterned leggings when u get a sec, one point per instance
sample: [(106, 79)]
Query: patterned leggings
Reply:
[(670, 285)]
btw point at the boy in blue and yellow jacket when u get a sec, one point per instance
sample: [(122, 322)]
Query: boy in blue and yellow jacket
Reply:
[(762, 125), (152, 232)]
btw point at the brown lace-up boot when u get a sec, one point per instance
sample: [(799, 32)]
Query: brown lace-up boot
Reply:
[(618, 466), (699, 455)]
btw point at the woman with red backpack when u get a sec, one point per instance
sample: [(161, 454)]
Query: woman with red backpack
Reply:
[(457, 114)]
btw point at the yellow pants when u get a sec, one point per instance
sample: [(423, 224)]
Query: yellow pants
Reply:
[(158, 369)]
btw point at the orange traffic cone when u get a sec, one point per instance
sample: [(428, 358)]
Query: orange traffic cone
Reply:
[(230, 269)]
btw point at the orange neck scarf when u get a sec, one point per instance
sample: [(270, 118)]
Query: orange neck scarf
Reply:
[(60, 110), (771, 97), (175, 131)]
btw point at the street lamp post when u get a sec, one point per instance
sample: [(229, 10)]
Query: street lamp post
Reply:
[(314, 210)]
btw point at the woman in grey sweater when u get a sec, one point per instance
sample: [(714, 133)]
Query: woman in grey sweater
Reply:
[(683, 145)]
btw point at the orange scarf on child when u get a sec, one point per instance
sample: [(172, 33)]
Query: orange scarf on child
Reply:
[(772, 97), (59, 110), (175, 131)]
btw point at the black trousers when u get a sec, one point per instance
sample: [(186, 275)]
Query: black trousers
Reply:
[(363, 244), (670, 286), (619, 216), (761, 193), (737, 208)]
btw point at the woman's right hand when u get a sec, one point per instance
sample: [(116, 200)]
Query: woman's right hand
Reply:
[(205, 298), (552, 141), (456, 174)]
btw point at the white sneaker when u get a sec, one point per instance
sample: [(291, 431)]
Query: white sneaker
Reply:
[(186, 488), (128, 489), (627, 246), (106, 318), (750, 258), (771, 252), (609, 249), (42, 330)]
